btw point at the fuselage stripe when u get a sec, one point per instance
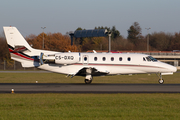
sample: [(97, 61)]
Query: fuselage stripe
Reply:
[(20, 55), (116, 65)]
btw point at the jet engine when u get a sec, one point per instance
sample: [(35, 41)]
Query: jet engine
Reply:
[(60, 58)]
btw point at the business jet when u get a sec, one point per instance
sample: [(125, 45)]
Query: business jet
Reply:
[(83, 64)]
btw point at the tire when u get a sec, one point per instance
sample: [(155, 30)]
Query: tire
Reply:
[(87, 81), (161, 81)]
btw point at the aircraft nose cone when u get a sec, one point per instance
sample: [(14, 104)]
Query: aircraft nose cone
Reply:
[(172, 68)]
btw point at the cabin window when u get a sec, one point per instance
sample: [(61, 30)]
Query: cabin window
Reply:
[(112, 58), (103, 58), (129, 59), (95, 58), (144, 59), (120, 58), (85, 58)]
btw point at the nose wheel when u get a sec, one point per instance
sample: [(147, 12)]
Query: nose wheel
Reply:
[(161, 81)]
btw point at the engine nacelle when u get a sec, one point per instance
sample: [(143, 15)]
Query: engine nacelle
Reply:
[(60, 58), (67, 58)]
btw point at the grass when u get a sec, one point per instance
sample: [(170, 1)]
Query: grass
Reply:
[(90, 106), (59, 78)]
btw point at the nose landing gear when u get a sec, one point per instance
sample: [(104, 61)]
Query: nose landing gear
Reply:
[(161, 81)]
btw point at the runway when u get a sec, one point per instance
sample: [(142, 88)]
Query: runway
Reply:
[(88, 88)]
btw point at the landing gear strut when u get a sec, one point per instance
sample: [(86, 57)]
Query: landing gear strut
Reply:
[(161, 81)]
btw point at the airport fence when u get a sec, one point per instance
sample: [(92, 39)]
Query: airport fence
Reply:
[(13, 65)]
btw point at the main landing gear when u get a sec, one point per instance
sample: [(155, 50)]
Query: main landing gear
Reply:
[(161, 81), (89, 77)]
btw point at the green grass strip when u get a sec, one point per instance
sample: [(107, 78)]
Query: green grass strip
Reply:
[(89, 106), (59, 78)]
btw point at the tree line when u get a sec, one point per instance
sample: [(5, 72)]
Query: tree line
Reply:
[(135, 41)]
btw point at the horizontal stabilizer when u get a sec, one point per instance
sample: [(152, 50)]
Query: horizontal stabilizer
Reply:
[(21, 49)]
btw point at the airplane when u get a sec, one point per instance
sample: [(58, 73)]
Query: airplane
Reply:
[(88, 65)]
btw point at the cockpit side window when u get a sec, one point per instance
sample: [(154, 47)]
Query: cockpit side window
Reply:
[(150, 58), (153, 59), (144, 59)]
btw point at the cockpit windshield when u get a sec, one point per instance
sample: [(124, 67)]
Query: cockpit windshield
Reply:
[(150, 58)]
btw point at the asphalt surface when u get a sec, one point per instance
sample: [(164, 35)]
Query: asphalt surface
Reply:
[(84, 88), (88, 88)]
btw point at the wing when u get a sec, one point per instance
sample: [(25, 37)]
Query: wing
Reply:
[(91, 71)]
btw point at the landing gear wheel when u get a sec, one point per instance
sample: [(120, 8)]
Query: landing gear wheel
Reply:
[(161, 81), (87, 81)]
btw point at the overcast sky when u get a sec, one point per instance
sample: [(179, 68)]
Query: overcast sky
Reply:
[(67, 15)]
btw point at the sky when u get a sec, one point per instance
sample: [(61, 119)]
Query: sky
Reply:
[(67, 15)]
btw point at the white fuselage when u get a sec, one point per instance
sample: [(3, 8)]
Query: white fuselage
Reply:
[(113, 63)]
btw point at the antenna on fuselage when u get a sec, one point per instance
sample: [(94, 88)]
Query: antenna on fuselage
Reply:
[(94, 51)]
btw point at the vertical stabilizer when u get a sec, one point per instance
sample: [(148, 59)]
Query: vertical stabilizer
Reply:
[(15, 39), (19, 49)]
